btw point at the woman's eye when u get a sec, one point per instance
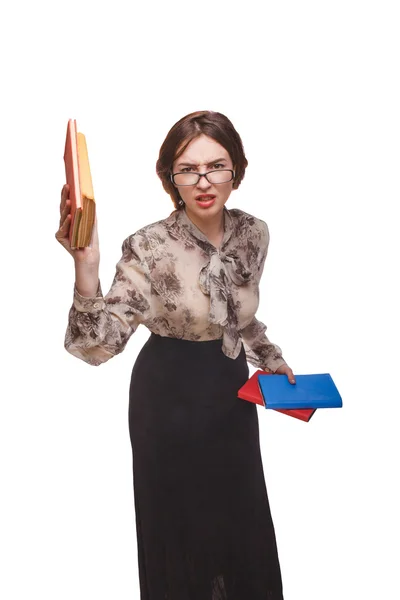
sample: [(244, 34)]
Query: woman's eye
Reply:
[(186, 169), (218, 165)]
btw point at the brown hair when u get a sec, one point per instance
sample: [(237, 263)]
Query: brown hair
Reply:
[(213, 124)]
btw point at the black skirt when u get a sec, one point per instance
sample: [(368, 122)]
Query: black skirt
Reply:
[(204, 527)]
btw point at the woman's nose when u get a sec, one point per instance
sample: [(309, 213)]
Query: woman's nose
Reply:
[(203, 184)]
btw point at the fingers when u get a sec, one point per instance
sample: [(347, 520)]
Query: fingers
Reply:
[(64, 195), (65, 211), (286, 370), (63, 232), (291, 376)]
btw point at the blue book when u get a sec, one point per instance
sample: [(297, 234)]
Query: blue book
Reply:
[(309, 391)]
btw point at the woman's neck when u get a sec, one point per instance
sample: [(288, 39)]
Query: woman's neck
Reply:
[(213, 228)]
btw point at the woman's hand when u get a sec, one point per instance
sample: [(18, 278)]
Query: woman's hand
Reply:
[(89, 257), (286, 370)]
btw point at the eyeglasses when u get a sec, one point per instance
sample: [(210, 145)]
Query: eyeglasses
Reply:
[(220, 176)]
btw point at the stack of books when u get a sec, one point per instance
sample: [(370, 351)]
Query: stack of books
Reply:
[(299, 400), (79, 179)]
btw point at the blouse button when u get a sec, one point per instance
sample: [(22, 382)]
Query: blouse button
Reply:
[(96, 305)]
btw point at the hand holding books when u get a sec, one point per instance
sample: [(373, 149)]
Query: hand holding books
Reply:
[(286, 370), (78, 221), (90, 254), (301, 400)]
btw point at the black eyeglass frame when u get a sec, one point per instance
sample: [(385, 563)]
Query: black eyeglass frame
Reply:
[(172, 175)]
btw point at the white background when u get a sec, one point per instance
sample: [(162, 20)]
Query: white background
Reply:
[(313, 89)]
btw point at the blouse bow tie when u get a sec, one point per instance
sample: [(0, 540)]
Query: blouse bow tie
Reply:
[(215, 280)]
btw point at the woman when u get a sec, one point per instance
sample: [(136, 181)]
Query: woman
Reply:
[(204, 528)]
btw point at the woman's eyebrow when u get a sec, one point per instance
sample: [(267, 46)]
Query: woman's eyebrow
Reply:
[(212, 162)]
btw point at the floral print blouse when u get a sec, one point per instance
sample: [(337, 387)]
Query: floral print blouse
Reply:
[(174, 281)]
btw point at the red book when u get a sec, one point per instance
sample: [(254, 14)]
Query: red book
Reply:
[(250, 391)]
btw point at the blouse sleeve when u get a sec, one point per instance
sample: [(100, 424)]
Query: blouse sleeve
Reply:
[(100, 327), (260, 352)]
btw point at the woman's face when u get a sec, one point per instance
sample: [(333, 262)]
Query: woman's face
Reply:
[(204, 200)]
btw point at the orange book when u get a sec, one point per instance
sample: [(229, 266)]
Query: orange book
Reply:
[(79, 179)]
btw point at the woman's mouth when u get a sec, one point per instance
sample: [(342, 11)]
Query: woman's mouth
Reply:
[(205, 200)]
